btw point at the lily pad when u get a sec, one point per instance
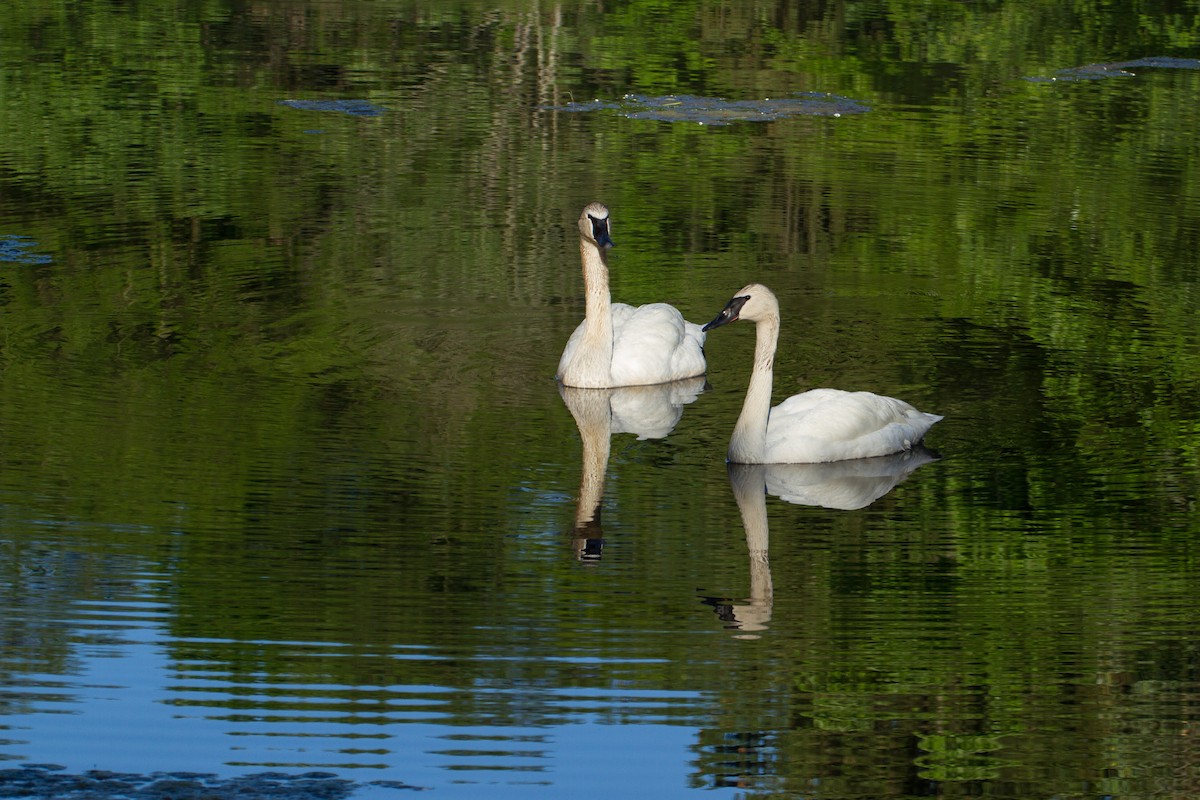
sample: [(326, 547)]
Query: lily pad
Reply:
[(718, 110), (356, 108), (1116, 69)]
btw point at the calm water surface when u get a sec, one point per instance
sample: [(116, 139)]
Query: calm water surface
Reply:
[(286, 483)]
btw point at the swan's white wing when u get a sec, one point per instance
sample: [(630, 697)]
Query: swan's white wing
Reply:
[(831, 425), (654, 344)]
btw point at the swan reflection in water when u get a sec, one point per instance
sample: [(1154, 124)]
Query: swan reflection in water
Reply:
[(840, 485), (648, 412)]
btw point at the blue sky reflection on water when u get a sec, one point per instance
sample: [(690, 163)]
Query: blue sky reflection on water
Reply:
[(121, 706), (286, 481)]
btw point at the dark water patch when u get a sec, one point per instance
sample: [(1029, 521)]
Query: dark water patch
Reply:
[(15, 250), (719, 111), (51, 780), (355, 108), (1115, 69)]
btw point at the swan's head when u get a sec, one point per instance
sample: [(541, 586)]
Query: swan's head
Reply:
[(753, 302), (594, 225)]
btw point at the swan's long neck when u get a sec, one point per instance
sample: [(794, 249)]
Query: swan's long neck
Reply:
[(748, 445), (596, 349)]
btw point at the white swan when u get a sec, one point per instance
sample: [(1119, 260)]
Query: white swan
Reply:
[(816, 426), (617, 344)]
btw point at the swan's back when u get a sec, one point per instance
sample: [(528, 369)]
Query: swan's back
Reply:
[(832, 425), (654, 344)]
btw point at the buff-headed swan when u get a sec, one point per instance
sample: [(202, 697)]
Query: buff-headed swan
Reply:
[(818, 425), (617, 344)]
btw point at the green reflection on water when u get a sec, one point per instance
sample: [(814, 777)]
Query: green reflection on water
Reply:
[(298, 366)]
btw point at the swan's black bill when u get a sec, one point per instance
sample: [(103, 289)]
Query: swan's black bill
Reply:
[(600, 232), (729, 313)]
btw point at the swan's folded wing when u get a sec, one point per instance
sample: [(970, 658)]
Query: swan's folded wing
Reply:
[(831, 425), (654, 344)]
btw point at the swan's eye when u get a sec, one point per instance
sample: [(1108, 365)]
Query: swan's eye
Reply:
[(733, 309)]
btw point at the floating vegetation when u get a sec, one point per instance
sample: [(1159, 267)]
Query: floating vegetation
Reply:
[(356, 108), (719, 111), (1116, 69), (15, 250), (49, 780)]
